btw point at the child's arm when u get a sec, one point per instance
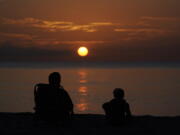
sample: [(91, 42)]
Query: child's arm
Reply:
[(128, 111)]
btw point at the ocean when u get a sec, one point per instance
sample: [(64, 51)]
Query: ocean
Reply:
[(150, 89)]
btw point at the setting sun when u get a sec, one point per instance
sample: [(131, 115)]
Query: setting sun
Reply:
[(82, 51)]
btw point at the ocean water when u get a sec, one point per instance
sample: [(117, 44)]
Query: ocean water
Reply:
[(150, 90)]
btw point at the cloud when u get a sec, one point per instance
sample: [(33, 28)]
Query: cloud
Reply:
[(142, 33), (56, 43), (141, 50), (11, 52), (82, 42), (58, 40), (32, 31), (166, 22), (16, 35), (54, 26), (150, 27), (148, 18), (145, 30)]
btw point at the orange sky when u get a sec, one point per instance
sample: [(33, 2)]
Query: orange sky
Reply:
[(113, 30)]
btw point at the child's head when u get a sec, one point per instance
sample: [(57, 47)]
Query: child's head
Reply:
[(118, 93)]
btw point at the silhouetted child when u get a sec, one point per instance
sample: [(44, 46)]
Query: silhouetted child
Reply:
[(117, 110), (52, 102)]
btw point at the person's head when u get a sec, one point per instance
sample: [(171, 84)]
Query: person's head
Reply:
[(55, 79), (118, 93)]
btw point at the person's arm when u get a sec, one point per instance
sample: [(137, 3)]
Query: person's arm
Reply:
[(128, 111), (106, 107), (68, 101)]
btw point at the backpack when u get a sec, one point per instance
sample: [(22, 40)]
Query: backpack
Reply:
[(41, 95), (51, 102)]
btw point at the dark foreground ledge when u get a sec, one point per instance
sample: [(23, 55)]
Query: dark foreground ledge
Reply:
[(88, 124)]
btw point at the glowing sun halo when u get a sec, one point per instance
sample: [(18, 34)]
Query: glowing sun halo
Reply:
[(82, 51)]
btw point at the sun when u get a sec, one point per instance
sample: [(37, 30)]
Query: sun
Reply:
[(82, 51)]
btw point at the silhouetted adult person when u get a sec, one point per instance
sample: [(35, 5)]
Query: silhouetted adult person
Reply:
[(117, 110), (52, 102)]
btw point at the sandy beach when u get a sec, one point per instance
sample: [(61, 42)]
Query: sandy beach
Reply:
[(88, 124)]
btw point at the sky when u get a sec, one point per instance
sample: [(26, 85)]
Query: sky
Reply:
[(112, 30)]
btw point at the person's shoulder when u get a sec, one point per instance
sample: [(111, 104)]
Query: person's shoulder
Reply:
[(106, 105), (118, 101), (42, 87), (114, 100), (125, 102), (62, 90)]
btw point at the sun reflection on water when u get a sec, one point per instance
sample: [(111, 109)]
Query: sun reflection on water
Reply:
[(83, 81), (83, 90), (83, 76), (82, 104)]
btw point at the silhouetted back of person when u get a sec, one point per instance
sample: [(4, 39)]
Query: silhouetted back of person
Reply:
[(52, 102), (117, 110)]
